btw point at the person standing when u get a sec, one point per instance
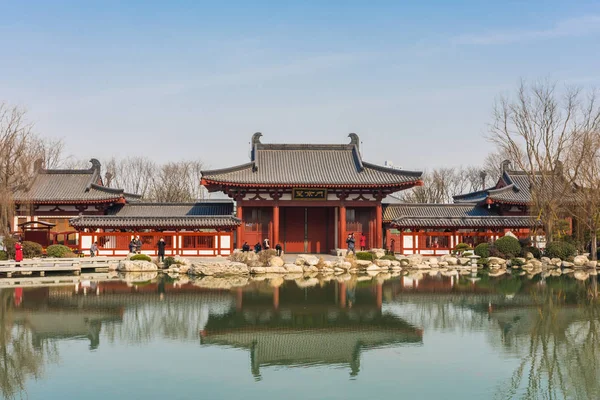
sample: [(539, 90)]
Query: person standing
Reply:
[(245, 247), (363, 242), (278, 249), (351, 242), (138, 245), (161, 250), (18, 252), (257, 248), (266, 245), (132, 246), (94, 250)]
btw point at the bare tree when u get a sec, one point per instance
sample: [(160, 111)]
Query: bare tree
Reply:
[(535, 130), (177, 182)]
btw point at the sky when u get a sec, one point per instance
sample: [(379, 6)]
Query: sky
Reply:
[(178, 80)]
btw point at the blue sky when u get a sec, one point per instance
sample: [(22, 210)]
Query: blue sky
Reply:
[(176, 79)]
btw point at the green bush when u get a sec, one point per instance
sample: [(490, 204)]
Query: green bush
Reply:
[(562, 250), (482, 250), (58, 251), (483, 261), (467, 253), (508, 246), (462, 247), (516, 262), (389, 257), (3, 255), (140, 257), (32, 249), (365, 255), (171, 261), (533, 250)]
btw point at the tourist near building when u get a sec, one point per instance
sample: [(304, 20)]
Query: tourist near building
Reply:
[(305, 197)]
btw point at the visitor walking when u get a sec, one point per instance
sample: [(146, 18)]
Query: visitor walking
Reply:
[(351, 242), (363, 242), (161, 250), (138, 245), (132, 246), (94, 249), (266, 245), (245, 247), (18, 252)]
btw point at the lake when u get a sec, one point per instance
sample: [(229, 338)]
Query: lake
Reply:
[(350, 337)]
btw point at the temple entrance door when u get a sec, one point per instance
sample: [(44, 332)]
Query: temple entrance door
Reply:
[(316, 229), (294, 229)]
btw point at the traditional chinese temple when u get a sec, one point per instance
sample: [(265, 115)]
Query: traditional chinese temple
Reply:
[(306, 197), (309, 197)]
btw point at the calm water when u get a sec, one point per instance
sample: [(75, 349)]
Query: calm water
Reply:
[(435, 338)]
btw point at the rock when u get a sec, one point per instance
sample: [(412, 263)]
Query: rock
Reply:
[(529, 255), (443, 263), (276, 270), (567, 264), (136, 266), (592, 272), (496, 260), (310, 268), (592, 264), (224, 268), (422, 266), (397, 268), (535, 263), (464, 261), (182, 261), (308, 259), (567, 271), (545, 260), (363, 263), (211, 282), (339, 270), (292, 277), (258, 270), (556, 261), (383, 263), (433, 261), (327, 270), (523, 260), (404, 263), (373, 267), (580, 261), (377, 252), (414, 259), (276, 262), (293, 268), (497, 272)]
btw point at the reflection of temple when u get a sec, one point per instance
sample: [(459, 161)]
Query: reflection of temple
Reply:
[(310, 326)]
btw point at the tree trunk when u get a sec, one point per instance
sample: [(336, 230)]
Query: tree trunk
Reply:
[(594, 246)]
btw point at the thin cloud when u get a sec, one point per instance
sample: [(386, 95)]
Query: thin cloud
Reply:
[(572, 27)]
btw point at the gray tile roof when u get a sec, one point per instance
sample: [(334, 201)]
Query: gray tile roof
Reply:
[(451, 216), (202, 215), (513, 187), (58, 186), (309, 165)]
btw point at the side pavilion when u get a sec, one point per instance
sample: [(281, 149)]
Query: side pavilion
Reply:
[(308, 197)]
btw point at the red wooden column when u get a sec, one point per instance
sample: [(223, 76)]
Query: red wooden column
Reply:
[(342, 226), (240, 229), (275, 225), (379, 226)]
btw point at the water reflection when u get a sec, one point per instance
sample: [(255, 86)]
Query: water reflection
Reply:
[(548, 328)]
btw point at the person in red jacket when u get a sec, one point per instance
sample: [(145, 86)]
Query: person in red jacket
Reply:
[(363, 242), (18, 252)]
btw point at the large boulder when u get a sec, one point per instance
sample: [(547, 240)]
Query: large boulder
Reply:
[(275, 270), (450, 260), (377, 252), (293, 269), (207, 268), (258, 270), (307, 259), (136, 266), (496, 260), (362, 264), (276, 262), (580, 261), (383, 263)]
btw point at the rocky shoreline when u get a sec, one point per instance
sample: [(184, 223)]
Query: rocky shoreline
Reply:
[(308, 266)]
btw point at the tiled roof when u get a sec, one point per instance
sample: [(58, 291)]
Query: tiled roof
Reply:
[(67, 186), (309, 165), (513, 187), (202, 215), (451, 215)]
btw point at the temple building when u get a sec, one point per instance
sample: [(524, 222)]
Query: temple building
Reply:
[(309, 197), (305, 197)]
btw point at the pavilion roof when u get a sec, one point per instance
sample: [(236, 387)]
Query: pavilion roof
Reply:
[(463, 215), (514, 187), (309, 165), (198, 215), (70, 186)]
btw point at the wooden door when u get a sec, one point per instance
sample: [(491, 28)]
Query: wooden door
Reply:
[(317, 224), (294, 229)]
